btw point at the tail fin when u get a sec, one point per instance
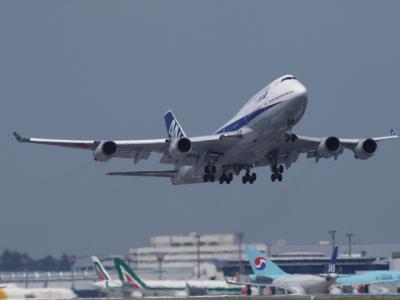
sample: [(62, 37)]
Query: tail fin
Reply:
[(332, 263), (102, 273), (127, 275), (174, 129), (262, 266)]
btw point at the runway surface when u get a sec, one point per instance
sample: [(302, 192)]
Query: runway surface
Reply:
[(283, 297)]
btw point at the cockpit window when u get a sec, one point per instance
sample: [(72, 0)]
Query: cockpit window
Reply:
[(287, 78)]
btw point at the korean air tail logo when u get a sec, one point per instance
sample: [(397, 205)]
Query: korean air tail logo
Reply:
[(260, 263), (174, 130)]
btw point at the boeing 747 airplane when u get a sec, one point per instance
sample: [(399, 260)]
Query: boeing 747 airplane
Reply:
[(259, 135)]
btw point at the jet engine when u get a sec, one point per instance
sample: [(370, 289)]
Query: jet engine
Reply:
[(365, 149), (329, 146), (105, 151), (180, 147)]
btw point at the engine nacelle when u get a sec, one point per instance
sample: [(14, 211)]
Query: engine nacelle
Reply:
[(105, 151), (365, 149), (180, 147), (329, 146)]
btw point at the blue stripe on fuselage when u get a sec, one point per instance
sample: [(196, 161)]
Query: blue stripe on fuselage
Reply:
[(236, 125)]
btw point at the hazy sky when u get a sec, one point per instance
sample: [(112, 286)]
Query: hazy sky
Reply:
[(110, 69)]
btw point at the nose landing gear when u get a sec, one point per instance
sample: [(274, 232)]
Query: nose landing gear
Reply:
[(290, 137)]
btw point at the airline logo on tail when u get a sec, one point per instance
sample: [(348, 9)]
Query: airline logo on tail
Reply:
[(101, 272), (128, 279), (174, 129), (260, 263), (332, 263), (127, 275), (331, 269)]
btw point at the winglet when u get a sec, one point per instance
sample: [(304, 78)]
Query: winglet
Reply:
[(20, 138), (393, 132)]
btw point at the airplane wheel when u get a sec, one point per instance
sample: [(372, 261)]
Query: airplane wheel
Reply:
[(228, 181), (221, 181), (244, 179), (212, 178), (213, 169), (274, 169), (230, 176), (205, 178), (293, 137), (279, 176), (206, 169), (287, 137), (253, 177), (280, 169), (273, 177)]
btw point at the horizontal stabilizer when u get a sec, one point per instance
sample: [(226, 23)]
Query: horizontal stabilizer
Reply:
[(167, 173)]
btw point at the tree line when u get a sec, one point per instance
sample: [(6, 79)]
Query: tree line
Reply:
[(12, 261)]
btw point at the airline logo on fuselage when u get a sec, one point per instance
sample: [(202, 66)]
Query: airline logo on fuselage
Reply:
[(260, 263)]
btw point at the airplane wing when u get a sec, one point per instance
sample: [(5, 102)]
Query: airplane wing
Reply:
[(167, 173), (296, 290), (325, 147), (103, 150)]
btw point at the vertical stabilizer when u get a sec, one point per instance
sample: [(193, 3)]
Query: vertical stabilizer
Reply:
[(127, 275), (174, 129), (102, 273), (262, 266), (332, 263)]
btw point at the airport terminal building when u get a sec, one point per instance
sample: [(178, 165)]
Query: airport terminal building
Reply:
[(217, 255)]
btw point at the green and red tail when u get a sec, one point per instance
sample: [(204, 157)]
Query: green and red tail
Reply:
[(127, 275), (102, 274)]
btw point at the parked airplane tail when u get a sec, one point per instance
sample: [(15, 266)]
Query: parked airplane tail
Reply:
[(262, 266), (332, 263), (102, 273), (127, 275), (174, 129)]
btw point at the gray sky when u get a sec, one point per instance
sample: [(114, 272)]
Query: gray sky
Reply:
[(96, 69)]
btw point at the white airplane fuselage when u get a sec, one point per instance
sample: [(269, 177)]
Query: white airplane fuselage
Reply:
[(262, 123), (305, 284)]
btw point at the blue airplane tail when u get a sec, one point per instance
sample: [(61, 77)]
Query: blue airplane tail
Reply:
[(174, 129), (262, 266), (332, 263)]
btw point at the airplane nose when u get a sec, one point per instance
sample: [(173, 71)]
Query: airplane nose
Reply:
[(301, 90), (301, 94)]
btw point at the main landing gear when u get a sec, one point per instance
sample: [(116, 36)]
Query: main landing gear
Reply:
[(226, 178), (209, 173), (276, 173), (249, 178)]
